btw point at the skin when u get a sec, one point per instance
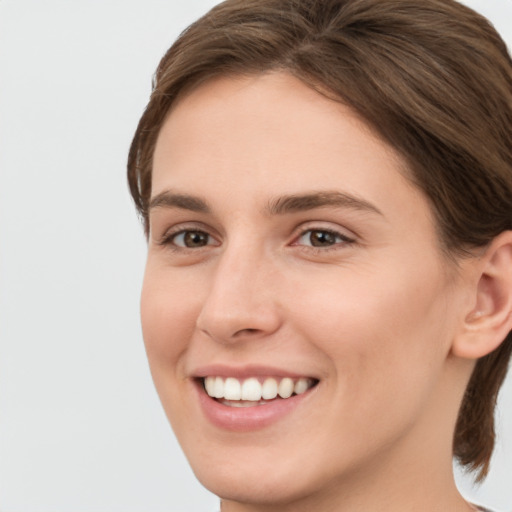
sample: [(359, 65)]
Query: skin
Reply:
[(373, 313)]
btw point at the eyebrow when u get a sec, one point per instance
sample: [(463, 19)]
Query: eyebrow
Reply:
[(169, 199), (278, 206), (304, 202)]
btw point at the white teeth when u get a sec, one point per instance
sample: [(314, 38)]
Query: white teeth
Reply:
[(209, 384), (218, 390), (301, 386), (286, 388), (232, 389), (252, 390), (269, 389), (243, 403)]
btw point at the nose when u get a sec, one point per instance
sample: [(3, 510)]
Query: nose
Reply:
[(242, 300)]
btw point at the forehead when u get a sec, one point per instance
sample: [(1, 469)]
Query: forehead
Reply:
[(272, 121)]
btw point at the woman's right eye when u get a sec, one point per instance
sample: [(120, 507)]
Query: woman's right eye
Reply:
[(190, 239)]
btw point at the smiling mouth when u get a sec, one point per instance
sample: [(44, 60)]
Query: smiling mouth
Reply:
[(255, 391)]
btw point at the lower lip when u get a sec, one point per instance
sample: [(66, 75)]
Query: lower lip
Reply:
[(245, 419)]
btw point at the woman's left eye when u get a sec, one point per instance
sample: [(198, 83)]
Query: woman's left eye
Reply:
[(191, 239), (321, 238)]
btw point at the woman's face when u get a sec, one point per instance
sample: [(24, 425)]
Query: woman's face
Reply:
[(287, 252)]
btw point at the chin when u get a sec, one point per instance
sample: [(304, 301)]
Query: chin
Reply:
[(263, 474), (245, 485)]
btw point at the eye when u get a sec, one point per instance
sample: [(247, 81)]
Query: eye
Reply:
[(191, 239), (321, 238)]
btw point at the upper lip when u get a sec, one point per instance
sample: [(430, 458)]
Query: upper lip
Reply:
[(246, 371)]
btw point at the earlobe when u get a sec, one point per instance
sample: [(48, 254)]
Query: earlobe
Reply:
[(490, 319)]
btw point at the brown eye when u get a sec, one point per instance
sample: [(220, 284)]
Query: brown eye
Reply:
[(191, 239), (323, 239), (320, 238)]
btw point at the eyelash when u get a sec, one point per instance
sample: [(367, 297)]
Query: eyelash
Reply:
[(169, 240), (342, 240)]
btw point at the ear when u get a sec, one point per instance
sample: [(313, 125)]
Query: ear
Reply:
[(490, 319)]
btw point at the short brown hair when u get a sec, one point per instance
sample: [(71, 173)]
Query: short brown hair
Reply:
[(431, 77)]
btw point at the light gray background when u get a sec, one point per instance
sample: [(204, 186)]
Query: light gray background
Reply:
[(81, 429)]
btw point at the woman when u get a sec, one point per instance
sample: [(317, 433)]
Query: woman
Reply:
[(326, 187)]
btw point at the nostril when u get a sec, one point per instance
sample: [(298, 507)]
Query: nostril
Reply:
[(244, 332)]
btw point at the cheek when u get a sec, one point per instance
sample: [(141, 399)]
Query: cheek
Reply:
[(168, 322), (168, 316), (385, 335)]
